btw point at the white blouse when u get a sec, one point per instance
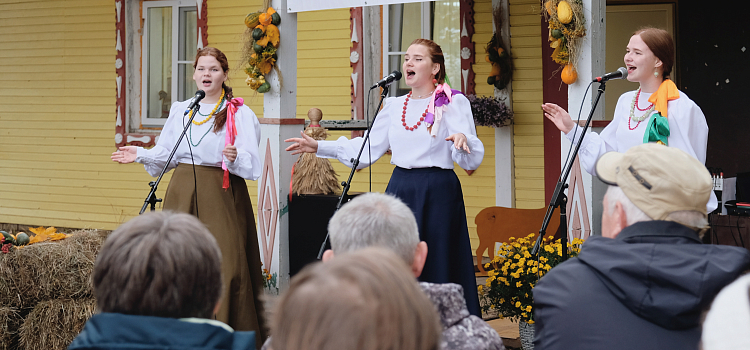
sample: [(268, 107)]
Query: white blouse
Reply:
[(688, 131), (413, 149), (206, 145)]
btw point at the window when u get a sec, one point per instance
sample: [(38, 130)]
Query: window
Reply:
[(170, 38), (435, 20)]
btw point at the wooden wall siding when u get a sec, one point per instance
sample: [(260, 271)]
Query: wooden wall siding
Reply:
[(528, 139), (58, 115)]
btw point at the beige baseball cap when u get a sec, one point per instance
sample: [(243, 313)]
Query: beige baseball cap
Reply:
[(658, 179)]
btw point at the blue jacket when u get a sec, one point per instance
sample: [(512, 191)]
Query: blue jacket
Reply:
[(122, 332), (645, 289)]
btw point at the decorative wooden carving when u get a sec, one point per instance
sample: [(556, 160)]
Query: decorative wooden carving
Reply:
[(467, 47), (355, 61)]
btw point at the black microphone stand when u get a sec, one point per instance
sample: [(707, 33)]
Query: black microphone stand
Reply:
[(151, 198), (559, 199), (355, 162)]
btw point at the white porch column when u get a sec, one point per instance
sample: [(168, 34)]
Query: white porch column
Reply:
[(504, 166), (584, 203), (278, 123)]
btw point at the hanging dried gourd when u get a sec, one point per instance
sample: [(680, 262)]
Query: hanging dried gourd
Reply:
[(261, 40), (566, 26)]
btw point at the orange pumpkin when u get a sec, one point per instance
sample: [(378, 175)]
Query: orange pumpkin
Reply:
[(569, 75), (265, 19), (271, 11)]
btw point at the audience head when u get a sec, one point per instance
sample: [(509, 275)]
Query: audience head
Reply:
[(653, 182), (376, 219), (727, 322), (366, 300), (159, 264)]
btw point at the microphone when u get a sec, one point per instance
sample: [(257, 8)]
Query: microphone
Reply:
[(395, 75), (620, 73), (199, 95)]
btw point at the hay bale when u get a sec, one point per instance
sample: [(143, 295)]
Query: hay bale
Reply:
[(10, 320), (50, 270), (53, 324)]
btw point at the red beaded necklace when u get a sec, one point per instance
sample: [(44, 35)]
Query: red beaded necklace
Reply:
[(636, 102), (403, 115)]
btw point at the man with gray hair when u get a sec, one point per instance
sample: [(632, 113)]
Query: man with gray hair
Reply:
[(644, 283), (375, 219)]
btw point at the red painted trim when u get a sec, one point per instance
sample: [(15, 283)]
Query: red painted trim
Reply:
[(357, 91), (467, 14), (553, 91), (203, 22), (282, 121)]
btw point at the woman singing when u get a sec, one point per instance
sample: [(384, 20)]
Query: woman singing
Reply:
[(427, 130), (656, 112), (221, 144)]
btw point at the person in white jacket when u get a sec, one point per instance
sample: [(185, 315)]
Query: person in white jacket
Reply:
[(656, 112)]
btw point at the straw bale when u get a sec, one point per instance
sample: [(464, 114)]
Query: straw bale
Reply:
[(53, 324), (50, 270), (10, 319)]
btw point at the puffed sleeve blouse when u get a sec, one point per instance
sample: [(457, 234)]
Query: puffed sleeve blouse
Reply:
[(413, 148), (202, 146)]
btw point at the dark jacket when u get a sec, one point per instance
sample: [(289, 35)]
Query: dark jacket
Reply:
[(646, 289), (461, 330), (123, 332)]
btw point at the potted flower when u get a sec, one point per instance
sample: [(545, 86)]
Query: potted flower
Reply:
[(513, 273), (490, 111)]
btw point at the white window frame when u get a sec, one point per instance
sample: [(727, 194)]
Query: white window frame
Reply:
[(425, 33), (176, 5)]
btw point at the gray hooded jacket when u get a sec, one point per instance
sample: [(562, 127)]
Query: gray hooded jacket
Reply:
[(646, 289)]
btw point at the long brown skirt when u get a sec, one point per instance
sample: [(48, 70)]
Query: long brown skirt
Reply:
[(229, 216)]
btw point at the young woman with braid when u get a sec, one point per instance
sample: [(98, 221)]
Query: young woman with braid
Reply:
[(427, 130), (221, 145)]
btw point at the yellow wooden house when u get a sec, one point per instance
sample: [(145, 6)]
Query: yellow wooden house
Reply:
[(86, 75)]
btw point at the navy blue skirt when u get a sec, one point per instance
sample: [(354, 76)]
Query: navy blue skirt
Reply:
[(435, 197)]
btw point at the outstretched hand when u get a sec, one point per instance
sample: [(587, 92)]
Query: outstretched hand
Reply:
[(305, 144), (459, 141), (125, 154), (559, 117)]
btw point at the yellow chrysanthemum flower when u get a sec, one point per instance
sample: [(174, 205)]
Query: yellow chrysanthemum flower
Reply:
[(518, 304), (528, 308), (519, 284)]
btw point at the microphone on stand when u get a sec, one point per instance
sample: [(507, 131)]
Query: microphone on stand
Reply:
[(395, 75), (620, 73), (199, 95)]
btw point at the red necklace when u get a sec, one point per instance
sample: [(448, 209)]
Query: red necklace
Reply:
[(403, 115), (636, 102), (636, 125)]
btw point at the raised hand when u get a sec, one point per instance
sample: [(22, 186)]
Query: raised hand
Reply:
[(125, 154), (230, 151), (305, 144), (459, 141), (559, 117)]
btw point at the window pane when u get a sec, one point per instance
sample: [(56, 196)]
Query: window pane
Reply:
[(446, 32), (159, 61), (188, 33), (188, 45), (187, 84)]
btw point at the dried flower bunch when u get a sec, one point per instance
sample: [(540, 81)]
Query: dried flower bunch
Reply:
[(489, 111), (514, 273)]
